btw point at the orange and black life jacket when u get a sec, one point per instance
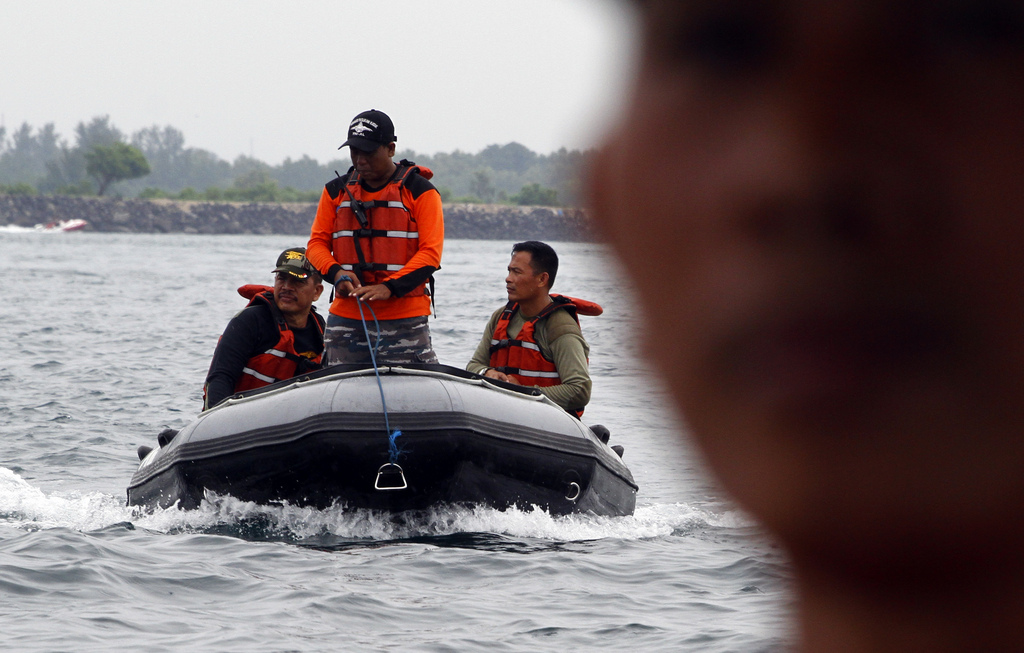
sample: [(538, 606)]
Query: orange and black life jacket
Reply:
[(280, 361), (521, 357), (375, 238)]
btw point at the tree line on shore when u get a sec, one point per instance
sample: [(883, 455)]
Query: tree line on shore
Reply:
[(155, 163)]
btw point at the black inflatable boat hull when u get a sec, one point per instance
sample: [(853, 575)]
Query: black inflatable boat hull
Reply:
[(321, 440)]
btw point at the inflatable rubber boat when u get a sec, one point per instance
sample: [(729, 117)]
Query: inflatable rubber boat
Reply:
[(394, 439)]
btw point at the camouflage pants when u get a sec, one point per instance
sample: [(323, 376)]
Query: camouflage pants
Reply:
[(399, 341)]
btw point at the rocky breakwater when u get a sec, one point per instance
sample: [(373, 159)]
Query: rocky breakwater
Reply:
[(472, 221), (514, 223)]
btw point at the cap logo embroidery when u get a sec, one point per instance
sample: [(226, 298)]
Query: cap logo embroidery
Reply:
[(292, 255), (360, 126)]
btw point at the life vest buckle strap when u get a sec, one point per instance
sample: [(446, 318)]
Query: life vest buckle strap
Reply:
[(359, 208)]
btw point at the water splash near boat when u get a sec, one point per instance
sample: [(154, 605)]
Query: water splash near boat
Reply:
[(26, 507)]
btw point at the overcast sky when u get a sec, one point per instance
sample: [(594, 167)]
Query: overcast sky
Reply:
[(283, 79)]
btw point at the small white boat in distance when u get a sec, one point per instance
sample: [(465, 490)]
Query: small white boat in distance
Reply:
[(50, 227), (62, 225)]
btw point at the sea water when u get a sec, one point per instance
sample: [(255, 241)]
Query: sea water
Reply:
[(108, 338)]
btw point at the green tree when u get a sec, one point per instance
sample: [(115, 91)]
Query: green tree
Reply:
[(151, 193), (24, 158), (305, 173), (511, 157), (174, 166), (499, 173), (112, 163), (536, 195), (255, 185), (68, 170), (482, 186), (18, 189)]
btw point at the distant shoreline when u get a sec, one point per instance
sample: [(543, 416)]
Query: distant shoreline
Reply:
[(110, 215)]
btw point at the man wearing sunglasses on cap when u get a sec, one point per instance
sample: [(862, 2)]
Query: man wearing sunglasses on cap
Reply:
[(277, 336)]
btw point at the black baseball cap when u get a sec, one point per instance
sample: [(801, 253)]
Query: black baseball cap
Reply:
[(293, 261), (369, 130)]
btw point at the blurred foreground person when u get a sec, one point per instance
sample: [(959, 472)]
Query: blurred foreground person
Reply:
[(831, 273)]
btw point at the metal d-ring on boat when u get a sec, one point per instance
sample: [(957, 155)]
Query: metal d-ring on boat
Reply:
[(390, 477), (573, 492)]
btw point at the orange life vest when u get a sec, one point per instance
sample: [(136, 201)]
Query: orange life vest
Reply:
[(522, 357), (280, 361), (377, 237)]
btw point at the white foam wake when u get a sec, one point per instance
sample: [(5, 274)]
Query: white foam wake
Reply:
[(26, 507)]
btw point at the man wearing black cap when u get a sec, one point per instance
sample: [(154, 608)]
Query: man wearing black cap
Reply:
[(377, 238), (277, 336)]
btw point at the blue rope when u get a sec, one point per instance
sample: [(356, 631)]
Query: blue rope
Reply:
[(393, 449)]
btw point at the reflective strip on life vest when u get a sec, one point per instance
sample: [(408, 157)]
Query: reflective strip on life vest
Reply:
[(276, 352), (348, 233), (261, 377), (390, 205), (389, 268), (538, 375), (527, 345)]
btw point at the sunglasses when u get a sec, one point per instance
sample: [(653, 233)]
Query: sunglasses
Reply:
[(288, 276)]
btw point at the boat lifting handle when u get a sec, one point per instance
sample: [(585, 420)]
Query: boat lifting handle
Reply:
[(390, 477)]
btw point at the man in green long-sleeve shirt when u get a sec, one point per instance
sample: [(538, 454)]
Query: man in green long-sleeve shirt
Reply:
[(535, 340)]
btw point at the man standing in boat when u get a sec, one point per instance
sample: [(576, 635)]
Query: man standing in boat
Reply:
[(277, 336), (377, 238), (535, 339)]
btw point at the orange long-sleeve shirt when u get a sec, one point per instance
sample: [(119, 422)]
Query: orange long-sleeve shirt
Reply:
[(424, 204)]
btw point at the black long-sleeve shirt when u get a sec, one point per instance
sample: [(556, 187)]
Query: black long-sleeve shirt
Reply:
[(251, 332)]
